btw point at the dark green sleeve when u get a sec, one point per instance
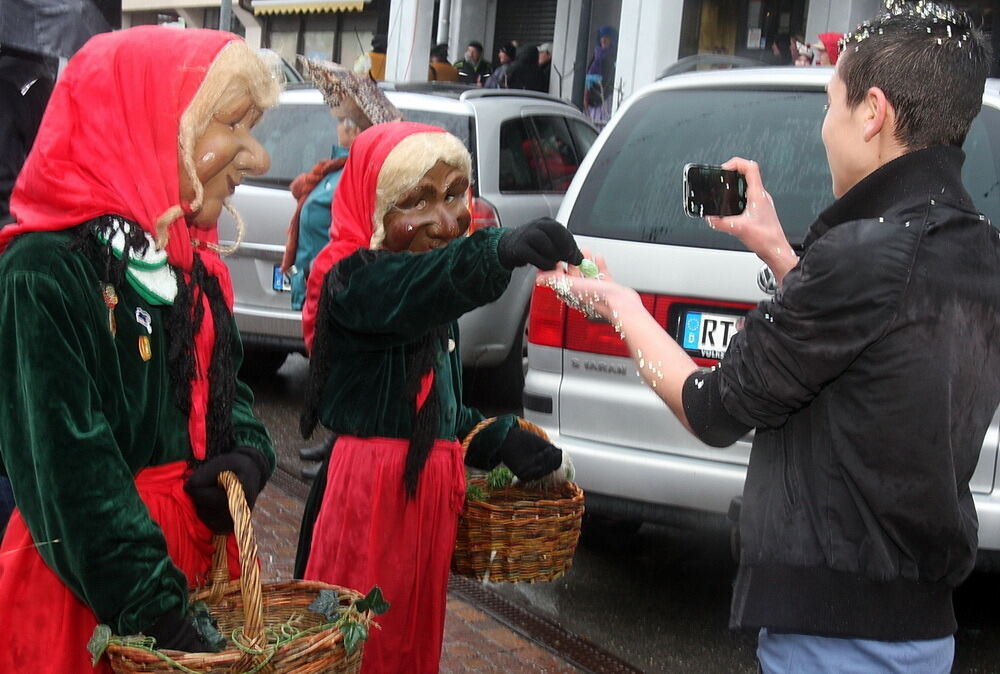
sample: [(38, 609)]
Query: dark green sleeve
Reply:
[(71, 481), (383, 299), (247, 428)]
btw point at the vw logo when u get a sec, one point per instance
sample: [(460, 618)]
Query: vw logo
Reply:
[(766, 281)]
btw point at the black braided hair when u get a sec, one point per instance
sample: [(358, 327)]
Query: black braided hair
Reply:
[(182, 322), (425, 425)]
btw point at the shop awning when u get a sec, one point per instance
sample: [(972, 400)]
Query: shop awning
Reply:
[(306, 6)]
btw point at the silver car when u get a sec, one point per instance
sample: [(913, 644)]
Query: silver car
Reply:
[(526, 147), (634, 459)]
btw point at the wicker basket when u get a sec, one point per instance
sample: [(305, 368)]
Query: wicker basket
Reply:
[(518, 535), (279, 633)]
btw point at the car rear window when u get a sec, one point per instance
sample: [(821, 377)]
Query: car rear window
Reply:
[(633, 190), (299, 135)]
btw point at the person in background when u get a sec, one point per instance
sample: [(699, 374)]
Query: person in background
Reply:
[(119, 403), (524, 72), (357, 104), (869, 407), (376, 57), (781, 50), (600, 81), (385, 375), (26, 81), (441, 70), (473, 69), (803, 55), (827, 49), (500, 79), (545, 64)]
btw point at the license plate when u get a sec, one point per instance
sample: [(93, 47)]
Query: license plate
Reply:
[(708, 334), (279, 281)]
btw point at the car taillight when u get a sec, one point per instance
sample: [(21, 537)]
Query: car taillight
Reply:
[(483, 214), (583, 334), (546, 318)]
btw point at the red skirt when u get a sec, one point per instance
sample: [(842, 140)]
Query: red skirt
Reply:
[(44, 627), (369, 533)]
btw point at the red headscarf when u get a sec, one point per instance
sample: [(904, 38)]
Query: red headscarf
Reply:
[(353, 207), (831, 41), (108, 145)]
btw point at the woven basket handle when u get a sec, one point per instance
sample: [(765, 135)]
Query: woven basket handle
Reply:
[(523, 423), (253, 606)]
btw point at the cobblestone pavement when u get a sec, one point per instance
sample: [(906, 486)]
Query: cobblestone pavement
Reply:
[(473, 640)]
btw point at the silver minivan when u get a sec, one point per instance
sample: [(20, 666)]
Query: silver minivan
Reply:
[(526, 147), (634, 459)]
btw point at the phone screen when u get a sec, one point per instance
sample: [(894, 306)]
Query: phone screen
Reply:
[(713, 190)]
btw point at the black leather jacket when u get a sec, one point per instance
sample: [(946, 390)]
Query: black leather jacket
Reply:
[(871, 379)]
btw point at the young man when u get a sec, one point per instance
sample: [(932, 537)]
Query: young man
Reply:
[(870, 378), (473, 69)]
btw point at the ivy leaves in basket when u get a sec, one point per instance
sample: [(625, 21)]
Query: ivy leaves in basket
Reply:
[(498, 478), (351, 619)]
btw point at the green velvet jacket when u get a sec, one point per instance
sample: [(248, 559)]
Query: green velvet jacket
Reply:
[(387, 301), (81, 412)]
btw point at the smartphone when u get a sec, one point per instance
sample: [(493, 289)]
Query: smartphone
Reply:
[(713, 190)]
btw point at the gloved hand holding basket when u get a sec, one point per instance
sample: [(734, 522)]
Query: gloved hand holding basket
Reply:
[(522, 531), (279, 628)]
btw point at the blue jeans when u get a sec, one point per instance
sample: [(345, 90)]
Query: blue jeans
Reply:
[(6, 503), (796, 653)]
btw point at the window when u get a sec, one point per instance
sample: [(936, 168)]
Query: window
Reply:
[(539, 154), (584, 134), (296, 137), (554, 154), (299, 135), (516, 172), (633, 190), (980, 172)]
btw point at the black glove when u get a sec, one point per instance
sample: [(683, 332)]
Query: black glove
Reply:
[(177, 632), (542, 242), (209, 498), (528, 456)]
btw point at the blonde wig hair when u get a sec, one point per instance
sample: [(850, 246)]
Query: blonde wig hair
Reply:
[(406, 164), (236, 71)]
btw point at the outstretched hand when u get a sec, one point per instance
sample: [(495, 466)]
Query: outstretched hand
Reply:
[(543, 242), (757, 226), (592, 296)]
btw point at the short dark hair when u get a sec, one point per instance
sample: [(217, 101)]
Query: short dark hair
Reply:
[(477, 45), (931, 63), (440, 51)]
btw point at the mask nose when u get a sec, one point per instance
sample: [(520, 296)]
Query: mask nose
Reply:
[(256, 161)]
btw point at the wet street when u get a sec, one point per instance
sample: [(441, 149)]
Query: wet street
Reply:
[(659, 598)]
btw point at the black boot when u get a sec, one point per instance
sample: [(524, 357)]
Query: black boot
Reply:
[(318, 451), (311, 470)]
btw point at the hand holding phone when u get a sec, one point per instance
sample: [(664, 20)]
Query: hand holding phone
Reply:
[(713, 191), (758, 228)]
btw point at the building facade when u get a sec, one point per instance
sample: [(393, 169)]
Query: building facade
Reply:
[(651, 34)]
